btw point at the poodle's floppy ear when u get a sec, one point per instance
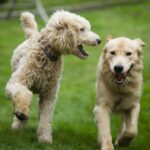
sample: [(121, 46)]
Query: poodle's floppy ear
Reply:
[(63, 36), (109, 37)]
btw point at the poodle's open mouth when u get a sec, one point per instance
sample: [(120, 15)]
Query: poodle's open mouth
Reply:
[(81, 53), (84, 53)]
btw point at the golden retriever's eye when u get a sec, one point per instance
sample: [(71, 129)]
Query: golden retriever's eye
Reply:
[(128, 53), (82, 29), (112, 53)]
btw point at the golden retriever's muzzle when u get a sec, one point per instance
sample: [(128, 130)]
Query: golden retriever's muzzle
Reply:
[(119, 75)]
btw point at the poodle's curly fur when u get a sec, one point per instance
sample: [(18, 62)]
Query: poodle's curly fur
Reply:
[(35, 70)]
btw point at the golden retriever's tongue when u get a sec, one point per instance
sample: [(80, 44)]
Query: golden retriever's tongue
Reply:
[(118, 76)]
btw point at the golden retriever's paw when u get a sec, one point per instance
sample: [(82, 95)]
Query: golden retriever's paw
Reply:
[(125, 139)]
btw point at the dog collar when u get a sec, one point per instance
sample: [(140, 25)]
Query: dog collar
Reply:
[(51, 54)]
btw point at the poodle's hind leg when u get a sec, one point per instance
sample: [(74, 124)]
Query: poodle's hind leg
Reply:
[(44, 127), (46, 106), (21, 97)]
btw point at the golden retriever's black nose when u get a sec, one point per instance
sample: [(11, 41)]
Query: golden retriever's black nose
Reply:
[(118, 68), (98, 41)]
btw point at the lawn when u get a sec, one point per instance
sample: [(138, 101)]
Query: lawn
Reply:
[(73, 123)]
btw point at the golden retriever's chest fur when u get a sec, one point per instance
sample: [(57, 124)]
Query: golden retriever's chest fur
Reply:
[(121, 103), (124, 98)]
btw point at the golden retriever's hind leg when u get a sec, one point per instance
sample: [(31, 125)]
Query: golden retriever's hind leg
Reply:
[(125, 140), (122, 128), (132, 126)]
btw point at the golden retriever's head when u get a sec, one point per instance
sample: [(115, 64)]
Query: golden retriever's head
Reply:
[(68, 33), (122, 54)]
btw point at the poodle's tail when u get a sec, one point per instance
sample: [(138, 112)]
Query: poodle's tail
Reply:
[(29, 24)]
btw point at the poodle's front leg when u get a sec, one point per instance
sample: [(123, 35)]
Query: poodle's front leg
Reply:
[(21, 97), (18, 124), (46, 106)]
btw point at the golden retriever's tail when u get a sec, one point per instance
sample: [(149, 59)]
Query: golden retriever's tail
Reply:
[(29, 24)]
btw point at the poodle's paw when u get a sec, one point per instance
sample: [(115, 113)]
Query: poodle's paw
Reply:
[(125, 139), (45, 138), (44, 135), (17, 124), (107, 146), (21, 116)]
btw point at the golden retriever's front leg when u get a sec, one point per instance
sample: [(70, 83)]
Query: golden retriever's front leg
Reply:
[(131, 126), (102, 116)]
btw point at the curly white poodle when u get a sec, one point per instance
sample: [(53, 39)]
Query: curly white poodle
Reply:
[(37, 65)]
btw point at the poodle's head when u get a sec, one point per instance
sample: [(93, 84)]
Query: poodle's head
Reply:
[(68, 32)]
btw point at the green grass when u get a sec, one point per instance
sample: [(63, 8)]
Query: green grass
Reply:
[(73, 125)]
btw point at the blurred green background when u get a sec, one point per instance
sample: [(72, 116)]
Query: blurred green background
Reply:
[(73, 122)]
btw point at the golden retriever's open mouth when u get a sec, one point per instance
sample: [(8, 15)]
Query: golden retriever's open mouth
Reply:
[(81, 53), (120, 77)]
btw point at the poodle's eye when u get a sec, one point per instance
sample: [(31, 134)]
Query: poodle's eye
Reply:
[(112, 53), (82, 29), (128, 53)]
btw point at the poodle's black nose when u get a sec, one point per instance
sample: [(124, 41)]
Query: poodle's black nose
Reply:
[(118, 68), (98, 41)]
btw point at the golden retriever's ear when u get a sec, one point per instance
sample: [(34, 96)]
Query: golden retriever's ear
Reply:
[(108, 38), (140, 42), (105, 50)]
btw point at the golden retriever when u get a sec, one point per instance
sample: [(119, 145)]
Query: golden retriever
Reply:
[(118, 89)]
